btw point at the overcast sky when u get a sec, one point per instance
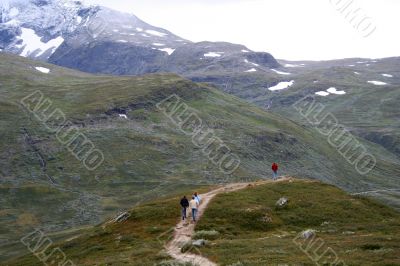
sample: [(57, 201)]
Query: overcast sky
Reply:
[(289, 29)]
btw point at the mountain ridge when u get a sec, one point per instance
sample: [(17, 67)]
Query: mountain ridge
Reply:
[(104, 33)]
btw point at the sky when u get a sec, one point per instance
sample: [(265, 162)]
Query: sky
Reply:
[(288, 29)]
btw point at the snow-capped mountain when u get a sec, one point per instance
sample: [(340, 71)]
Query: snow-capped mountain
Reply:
[(37, 28), (100, 40), (25, 30)]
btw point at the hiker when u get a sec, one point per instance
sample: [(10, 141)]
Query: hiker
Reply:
[(197, 198), (194, 206), (185, 205), (274, 170)]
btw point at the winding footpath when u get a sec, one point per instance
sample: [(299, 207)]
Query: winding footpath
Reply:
[(184, 231)]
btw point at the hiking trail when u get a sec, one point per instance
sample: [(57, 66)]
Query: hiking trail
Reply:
[(184, 231)]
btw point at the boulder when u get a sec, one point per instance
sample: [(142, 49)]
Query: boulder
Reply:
[(122, 217), (282, 202), (199, 243), (308, 233)]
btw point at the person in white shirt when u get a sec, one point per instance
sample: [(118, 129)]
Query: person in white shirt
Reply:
[(197, 198), (194, 205)]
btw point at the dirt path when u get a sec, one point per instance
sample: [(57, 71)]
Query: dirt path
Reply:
[(184, 231)]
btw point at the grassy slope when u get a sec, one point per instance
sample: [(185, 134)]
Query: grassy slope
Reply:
[(359, 230), (137, 241), (145, 156), (370, 112)]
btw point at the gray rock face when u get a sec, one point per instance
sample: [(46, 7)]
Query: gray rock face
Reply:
[(110, 58), (263, 59), (36, 28), (54, 22)]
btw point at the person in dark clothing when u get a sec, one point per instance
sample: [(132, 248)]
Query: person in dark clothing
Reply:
[(185, 205)]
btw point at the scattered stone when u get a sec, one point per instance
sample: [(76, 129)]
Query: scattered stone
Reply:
[(122, 217), (282, 202), (199, 243), (308, 233), (267, 218), (348, 233)]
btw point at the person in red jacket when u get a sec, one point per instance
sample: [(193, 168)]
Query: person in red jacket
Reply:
[(274, 170)]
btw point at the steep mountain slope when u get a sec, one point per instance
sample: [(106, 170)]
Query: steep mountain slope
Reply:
[(246, 228), (145, 155)]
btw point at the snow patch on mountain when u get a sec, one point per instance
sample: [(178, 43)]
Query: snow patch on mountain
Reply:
[(377, 83), (251, 70), (322, 93), (43, 70), (213, 54), (282, 85), (280, 72), (292, 65), (32, 43), (12, 23), (334, 91), (169, 51), (156, 33), (387, 75), (248, 62), (329, 91)]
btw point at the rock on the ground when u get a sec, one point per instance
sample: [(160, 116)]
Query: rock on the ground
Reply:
[(122, 217), (199, 243), (308, 233), (282, 202)]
